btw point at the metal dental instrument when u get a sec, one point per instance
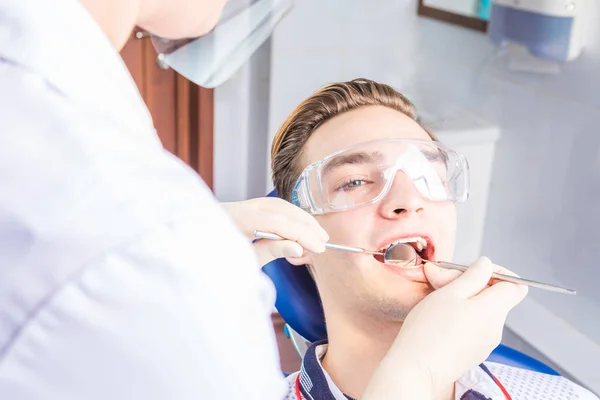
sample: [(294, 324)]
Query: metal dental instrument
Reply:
[(404, 252), (332, 246), (406, 256)]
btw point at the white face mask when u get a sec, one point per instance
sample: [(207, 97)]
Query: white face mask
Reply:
[(213, 58)]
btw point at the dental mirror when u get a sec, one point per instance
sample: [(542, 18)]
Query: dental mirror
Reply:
[(405, 256)]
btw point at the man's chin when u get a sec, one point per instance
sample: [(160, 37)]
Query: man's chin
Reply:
[(395, 306)]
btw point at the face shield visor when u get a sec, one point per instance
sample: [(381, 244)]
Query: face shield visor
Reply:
[(210, 60), (363, 174)]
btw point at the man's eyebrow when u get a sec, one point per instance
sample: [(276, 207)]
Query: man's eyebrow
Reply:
[(353, 158), (434, 155)]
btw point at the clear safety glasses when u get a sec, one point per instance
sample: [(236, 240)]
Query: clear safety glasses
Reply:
[(213, 58), (363, 174)]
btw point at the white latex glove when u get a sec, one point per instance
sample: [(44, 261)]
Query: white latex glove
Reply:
[(451, 331), (275, 215)]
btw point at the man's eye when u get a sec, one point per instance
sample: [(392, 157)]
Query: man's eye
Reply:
[(353, 184)]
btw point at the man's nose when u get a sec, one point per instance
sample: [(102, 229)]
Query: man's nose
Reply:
[(403, 198)]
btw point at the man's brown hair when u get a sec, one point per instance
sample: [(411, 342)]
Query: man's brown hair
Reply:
[(330, 101)]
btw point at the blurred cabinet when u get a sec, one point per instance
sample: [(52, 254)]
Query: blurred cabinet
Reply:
[(181, 110)]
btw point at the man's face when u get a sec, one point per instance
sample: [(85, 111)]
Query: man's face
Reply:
[(358, 283)]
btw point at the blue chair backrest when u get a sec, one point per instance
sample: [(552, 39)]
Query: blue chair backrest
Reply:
[(299, 304), (508, 356), (298, 300)]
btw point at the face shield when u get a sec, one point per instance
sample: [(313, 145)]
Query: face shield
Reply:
[(210, 60), (363, 174)]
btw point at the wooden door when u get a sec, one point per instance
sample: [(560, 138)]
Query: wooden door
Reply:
[(288, 357), (182, 111), (183, 117)]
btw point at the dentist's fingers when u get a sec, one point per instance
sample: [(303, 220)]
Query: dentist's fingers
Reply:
[(307, 236), (503, 296), (297, 260), (275, 215), (275, 205), (468, 300), (473, 280), (301, 230), (439, 277), (501, 270), (248, 213), (288, 221), (269, 250)]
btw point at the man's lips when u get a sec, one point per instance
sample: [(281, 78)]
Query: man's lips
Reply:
[(412, 272), (405, 234), (415, 273), (427, 253)]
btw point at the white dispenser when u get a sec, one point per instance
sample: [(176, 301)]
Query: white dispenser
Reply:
[(554, 30)]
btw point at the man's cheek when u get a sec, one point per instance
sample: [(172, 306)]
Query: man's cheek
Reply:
[(346, 228)]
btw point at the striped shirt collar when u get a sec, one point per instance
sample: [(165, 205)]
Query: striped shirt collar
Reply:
[(315, 382)]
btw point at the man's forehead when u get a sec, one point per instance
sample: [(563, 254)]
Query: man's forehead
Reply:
[(359, 126), (353, 157)]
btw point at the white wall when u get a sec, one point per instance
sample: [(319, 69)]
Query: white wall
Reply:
[(544, 209), (328, 40), (241, 125)]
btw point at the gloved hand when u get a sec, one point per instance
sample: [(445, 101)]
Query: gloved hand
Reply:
[(451, 331), (275, 215)]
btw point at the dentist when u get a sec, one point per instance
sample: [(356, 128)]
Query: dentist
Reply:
[(121, 277)]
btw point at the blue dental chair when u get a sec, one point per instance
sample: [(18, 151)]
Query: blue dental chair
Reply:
[(299, 304)]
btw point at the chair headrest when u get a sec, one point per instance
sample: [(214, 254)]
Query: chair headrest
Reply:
[(298, 299)]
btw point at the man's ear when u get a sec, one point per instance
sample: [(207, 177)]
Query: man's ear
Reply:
[(306, 258)]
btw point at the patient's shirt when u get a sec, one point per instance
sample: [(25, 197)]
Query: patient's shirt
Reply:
[(313, 382)]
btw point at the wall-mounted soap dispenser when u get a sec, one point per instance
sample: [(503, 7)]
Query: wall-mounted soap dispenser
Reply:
[(550, 29)]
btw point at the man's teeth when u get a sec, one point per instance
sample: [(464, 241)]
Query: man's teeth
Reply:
[(419, 243)]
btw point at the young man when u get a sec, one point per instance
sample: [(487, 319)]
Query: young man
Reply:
[(355, 156)]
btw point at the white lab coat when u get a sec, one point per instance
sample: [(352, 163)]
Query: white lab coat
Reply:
[(120, 276)]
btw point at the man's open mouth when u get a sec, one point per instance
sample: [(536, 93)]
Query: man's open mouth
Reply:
[(421, 244)]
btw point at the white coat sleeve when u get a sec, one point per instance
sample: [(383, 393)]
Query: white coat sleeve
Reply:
[(172, 315)]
